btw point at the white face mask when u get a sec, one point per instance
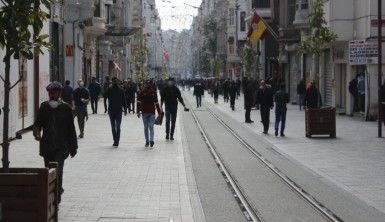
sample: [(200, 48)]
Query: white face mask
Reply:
[(53, 104), (81, 84)]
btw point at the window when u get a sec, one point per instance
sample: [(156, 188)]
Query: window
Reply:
[(231, 48), (291, 11), (303, 4), (243, 21), (97, 8), (231, 16), (261, 3), (108, 14)]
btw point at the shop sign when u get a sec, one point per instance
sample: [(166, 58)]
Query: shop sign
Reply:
[(362, 52)]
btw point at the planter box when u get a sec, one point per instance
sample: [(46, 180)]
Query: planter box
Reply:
[(320, 122), (28, 195)]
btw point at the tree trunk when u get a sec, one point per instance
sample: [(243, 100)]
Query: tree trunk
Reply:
[(5, 144)]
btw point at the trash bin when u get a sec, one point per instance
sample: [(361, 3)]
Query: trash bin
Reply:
[(320, 122)]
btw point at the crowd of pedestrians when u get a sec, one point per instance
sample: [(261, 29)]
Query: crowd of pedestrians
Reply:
[(56, 116)]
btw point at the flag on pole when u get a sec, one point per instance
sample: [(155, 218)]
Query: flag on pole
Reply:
[(257, 28)]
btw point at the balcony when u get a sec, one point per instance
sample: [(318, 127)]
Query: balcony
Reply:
[(95, 26), (301, 19)]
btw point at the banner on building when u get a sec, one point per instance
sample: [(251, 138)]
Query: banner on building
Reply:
[(362, 52)]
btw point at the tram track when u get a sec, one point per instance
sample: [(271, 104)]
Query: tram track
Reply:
[(249, 210)]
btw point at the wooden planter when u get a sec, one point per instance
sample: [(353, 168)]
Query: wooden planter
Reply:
[(29, 195), (320, 122)]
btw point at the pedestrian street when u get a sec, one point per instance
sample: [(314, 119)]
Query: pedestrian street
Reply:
[(128, 183)]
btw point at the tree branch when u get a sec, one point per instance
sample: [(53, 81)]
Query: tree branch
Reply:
[(2, 78), (13, 86), (4, 3)]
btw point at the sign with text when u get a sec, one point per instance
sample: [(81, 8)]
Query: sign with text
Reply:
[(362, 52)]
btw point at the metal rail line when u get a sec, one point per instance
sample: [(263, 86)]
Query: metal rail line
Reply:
[(325, 212)]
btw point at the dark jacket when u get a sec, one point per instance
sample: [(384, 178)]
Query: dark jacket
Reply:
[(313, 98), (301, 88), (249, 94), (281, 98), (81, 93), (170, 95), (116, 99), (199, 90), (59, 134), (232, 90), (131, 91), (265, 97), (67, 94), (95, 89)]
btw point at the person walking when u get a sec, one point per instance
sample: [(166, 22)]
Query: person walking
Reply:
[(146, 105), (249, 100), (215, 91), (281, 98), (80, 101), (265, 100), (198, 93), (170, 96), (313, 97), (95, 89), (238, 85), (106, 85), (116, 106), (131, 91), (225, 85), (59, 135), (233, 92), (301, 90), (67, 93)]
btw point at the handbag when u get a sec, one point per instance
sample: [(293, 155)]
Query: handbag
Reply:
[(159, 119)]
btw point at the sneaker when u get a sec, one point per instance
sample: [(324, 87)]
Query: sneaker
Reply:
[(167, 137), (147, 143), (81, 135), (276, 133), (152, 144), (265, 132), (282, 135), (172, 138), (115, 144)]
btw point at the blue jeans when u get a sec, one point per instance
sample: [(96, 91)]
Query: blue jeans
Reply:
[(148, 122), (116, 120), (280, 116)]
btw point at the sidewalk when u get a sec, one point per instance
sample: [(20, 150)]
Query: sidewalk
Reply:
[(354, 161), (129, 183)]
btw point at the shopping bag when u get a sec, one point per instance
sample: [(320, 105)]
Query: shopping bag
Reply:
[(159, 119)]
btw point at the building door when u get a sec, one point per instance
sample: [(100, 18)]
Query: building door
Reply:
[(340, 88), (328, 80)]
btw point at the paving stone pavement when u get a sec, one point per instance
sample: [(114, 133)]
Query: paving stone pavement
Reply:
[(129, 183), (354, 161)]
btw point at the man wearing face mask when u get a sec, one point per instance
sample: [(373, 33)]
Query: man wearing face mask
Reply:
[(170, 96), (80, 101), (59, 134)]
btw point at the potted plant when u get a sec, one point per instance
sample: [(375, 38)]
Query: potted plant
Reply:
[(25, 194)]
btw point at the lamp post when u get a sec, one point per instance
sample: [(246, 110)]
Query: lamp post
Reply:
[(380, 111)]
